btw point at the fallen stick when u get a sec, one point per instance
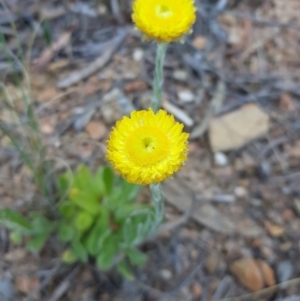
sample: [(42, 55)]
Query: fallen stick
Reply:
[(49, 52), (268, 290), (77, 76), (64, 285), (214, 106)]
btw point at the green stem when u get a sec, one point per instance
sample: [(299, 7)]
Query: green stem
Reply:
[(158, 205), (158, 76)]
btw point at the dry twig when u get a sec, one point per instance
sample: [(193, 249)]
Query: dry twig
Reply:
[(262, 21), (64, 286), (214, 107), (84, 73), (49, 52), (269, 290)]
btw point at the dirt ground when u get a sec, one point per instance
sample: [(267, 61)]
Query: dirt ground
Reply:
[(232, 228)]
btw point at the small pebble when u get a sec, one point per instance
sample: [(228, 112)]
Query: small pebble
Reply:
[(180, 75), (187, 296), (78, 110), (286, 190), (240, 192), (221, 159), (199, 42), (166, 274), (102, 9), (288, 214), (297, 206), (56, 143), (211, 262), (285, 247), (196, 290), (194, 254), (256, 202), (186, 96), (138, 54), (284, 271), (7, 290)]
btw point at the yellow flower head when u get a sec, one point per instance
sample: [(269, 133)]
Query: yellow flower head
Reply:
[(147, 148), (164, 20)]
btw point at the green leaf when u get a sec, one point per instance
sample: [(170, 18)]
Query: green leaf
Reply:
[(37, 243), (65, 181), (94, 241), (79, 250), (108, 251), (69, 257), (123, 211), (85, 181), (105, 259), (40, 224), (82, 177), (137, 227), (91, 242), (104, 219), (47, 32), (129, 191), (85, 201), (99, 185), (98, 233), (136, 257), (66, 232), (123, 269), (67, 209), (83, 221), (122, 195), (129, 231), (113, 200), (108, 177), (15, 237), (14, 221)]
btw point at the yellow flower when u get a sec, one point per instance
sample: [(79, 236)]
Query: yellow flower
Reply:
[(147, 148), (164, 20)]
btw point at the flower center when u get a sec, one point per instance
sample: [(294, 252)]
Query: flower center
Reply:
[(163, 11), (147, 145)]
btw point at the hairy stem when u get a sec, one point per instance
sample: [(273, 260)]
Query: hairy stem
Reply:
[(158, 205), (158, 76)]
